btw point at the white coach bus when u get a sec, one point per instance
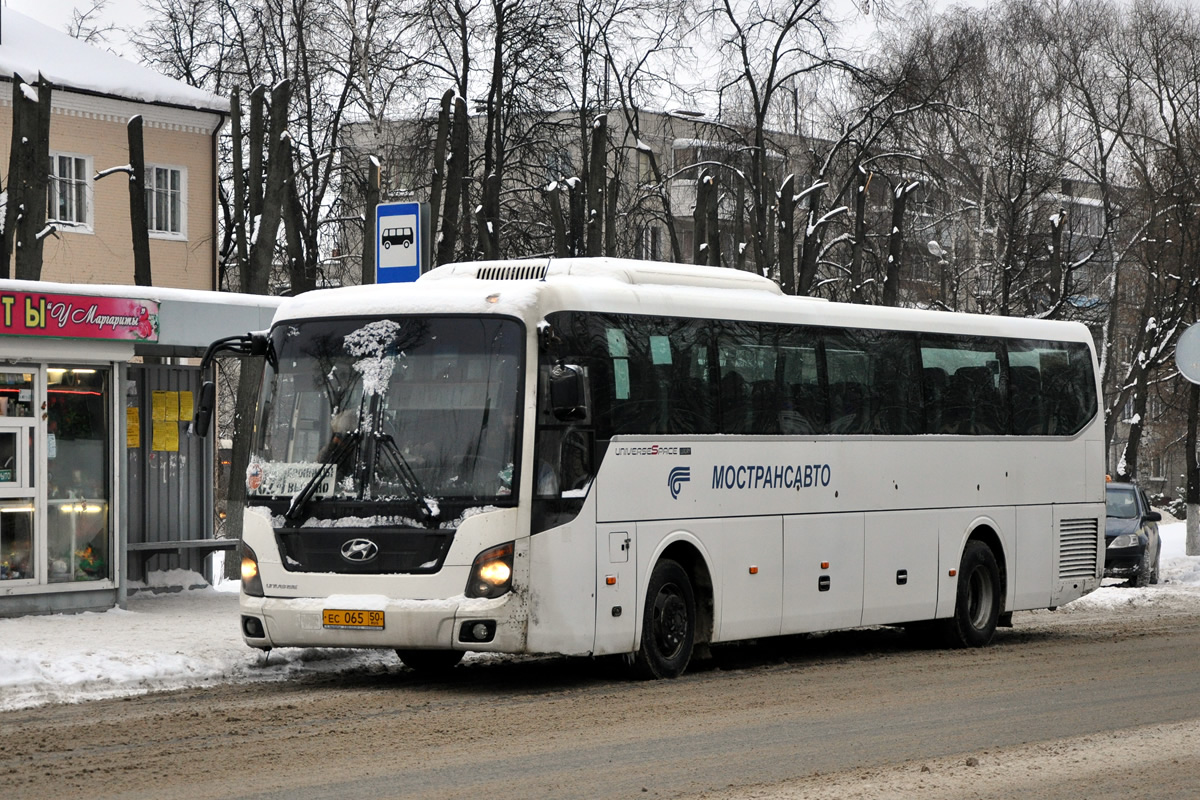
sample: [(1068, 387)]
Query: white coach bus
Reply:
[(594, 456)]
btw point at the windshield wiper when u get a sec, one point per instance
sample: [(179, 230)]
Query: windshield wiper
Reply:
[(408, 478), (300, 499)]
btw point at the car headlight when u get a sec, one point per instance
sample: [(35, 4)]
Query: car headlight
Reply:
[(1126, 540), (491, 574), (251, 582)]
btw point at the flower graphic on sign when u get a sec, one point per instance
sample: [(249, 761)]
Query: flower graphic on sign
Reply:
[(147, 323)]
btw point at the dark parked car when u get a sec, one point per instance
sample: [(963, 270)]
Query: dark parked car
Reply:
[(1131, 535)]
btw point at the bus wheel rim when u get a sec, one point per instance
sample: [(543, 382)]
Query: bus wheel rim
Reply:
[(979, 599), (670, 621)]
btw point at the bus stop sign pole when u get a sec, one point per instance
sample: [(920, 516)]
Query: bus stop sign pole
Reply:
[(1187, 359)]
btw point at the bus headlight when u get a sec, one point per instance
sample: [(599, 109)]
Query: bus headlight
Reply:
[(491, 574), (251, 582)]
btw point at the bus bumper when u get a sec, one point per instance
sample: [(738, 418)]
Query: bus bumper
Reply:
[(453, 624)]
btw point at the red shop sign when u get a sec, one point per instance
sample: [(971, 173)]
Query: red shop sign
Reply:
[(78, 316)]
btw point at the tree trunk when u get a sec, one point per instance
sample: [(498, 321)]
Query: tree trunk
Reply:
[(258, 126), (739, 227), (610, 216), (553, 197), (456, 175), (139, 225), (712, 224), (9, 223), (35, 154), (1056, 290), (891, 279), (240, 234), (577, 226), (857, 295), (370, 201), (274, 193), (1127, 468), (249, 378), (812, 245), (700, 219), (486, 218), (437, 179), (256, 277), (301, 273), (787, 235), (595, 185)]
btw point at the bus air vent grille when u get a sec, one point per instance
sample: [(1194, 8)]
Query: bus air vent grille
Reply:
[(1078, 548), (512, 272)]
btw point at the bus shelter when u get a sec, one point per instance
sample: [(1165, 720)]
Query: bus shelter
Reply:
[(99, 480)]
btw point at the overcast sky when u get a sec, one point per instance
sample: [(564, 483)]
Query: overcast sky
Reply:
[(126, 13)]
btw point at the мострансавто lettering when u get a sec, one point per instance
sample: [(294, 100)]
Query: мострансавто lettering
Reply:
[(767, 476)]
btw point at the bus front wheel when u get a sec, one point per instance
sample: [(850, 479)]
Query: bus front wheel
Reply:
[(669, 623), (977, 605)]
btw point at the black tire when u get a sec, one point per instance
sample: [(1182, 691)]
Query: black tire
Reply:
[(668, 625), (430, 662), (1141, 578), (977, 605)]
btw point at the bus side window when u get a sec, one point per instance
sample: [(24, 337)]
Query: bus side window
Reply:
[(1025, 400), (893, 374), (934, 381), (735, 403), (849, 407)]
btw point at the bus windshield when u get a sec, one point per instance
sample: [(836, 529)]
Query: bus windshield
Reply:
[(409, 412)]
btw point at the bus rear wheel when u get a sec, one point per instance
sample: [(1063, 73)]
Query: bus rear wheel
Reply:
[(430, 662), (669, 623), (977, 605)]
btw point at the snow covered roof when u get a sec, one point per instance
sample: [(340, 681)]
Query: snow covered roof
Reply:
[(28, 47)]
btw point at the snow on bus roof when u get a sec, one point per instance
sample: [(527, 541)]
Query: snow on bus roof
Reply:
[(515, 287), (29, 48)]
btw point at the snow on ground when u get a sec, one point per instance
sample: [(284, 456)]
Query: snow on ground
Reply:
[(175, 640)]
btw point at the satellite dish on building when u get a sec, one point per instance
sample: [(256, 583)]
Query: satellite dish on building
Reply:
[(1187, 353)]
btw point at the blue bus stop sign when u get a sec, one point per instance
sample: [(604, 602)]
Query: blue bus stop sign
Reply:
[(401, 242)]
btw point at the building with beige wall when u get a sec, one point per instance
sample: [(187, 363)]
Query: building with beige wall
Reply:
[(100, 484), (94, 95)]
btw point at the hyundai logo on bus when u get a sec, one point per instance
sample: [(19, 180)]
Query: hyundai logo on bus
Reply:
[(678, 477), (768, 476), (360, 550)]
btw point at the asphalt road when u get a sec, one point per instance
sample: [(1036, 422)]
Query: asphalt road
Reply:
[(752, 722)]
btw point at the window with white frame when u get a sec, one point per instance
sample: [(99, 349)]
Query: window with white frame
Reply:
[(165, 187), (68, 201)]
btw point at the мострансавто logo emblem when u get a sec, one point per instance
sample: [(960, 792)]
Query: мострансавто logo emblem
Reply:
[(678, 477)]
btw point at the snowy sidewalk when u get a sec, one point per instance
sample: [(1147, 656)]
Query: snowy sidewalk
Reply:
[(161, 641), (191, 638)]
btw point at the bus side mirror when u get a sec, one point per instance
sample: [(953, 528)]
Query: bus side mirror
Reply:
[(567, 392), (202, 416), (247, 344)]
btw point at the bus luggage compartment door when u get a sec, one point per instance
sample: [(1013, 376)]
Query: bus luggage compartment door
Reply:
[(900, 575), (616, 588)]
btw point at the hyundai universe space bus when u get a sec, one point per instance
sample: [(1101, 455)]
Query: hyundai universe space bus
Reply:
[(594, 456)]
